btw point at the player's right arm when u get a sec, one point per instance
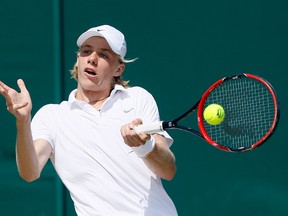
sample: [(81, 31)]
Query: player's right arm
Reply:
[(30, 156)]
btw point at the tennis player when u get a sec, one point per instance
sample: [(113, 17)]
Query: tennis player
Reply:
[(90, 139)]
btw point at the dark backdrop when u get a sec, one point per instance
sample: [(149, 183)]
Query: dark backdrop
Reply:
[(183, 47)]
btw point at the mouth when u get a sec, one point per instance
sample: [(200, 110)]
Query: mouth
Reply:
[(90, 72)]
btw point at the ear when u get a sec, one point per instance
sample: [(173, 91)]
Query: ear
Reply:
[(77, 58), (120, 69)]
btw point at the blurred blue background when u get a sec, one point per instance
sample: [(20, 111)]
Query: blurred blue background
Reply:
[(183, 47)]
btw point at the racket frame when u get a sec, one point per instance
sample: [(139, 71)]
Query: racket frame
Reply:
[(260, 141)]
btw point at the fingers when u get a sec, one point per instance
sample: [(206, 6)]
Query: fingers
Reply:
[(21, 85), (3, 87), (4, 90), (130, 136), (137, 122)]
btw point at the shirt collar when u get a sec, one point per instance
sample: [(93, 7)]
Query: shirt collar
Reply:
[(72, 99)]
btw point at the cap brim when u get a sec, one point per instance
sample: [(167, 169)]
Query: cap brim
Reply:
[(128, 60)]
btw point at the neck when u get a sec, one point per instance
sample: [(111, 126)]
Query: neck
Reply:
[(92, 97), (97, 100)]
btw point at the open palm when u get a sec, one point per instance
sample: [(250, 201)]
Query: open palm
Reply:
[(19, 104)]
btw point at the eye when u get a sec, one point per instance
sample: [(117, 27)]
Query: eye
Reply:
[(103, 55), (85, 52)]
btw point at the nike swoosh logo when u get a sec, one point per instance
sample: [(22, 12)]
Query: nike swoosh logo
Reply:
[(128, 110)]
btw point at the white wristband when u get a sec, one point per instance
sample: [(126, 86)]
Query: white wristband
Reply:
[(144, 150)]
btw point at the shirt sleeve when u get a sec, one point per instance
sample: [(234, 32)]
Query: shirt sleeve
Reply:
[(40, 125)]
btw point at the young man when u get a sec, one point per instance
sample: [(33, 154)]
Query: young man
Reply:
[(90, 139)]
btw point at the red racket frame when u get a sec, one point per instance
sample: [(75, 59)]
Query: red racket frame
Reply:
[(219, 82)]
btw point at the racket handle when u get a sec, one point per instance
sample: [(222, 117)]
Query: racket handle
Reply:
[(149, 128)]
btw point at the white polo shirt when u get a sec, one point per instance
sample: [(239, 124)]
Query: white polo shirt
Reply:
[(102, 173)]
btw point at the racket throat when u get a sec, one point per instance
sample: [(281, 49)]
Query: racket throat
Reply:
[(169, 124)]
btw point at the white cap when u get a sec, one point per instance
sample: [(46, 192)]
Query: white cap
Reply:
[(114, 38)]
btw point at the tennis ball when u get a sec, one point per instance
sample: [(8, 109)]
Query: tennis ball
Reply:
[(214, 114)]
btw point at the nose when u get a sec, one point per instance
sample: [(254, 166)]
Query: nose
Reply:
[(93, 58)]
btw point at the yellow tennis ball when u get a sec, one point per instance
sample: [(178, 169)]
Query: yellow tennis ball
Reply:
[(214, 114)]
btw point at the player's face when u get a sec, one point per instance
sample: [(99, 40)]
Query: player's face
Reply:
[(97, 65)]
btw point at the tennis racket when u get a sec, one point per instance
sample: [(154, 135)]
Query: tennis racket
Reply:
[(251, 114)]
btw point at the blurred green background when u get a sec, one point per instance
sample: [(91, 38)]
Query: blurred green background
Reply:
[(183, 47)]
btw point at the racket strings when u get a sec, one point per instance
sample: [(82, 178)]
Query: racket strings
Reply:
[(249, 113)]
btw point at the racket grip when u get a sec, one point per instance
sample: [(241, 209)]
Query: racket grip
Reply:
[(149, 128)]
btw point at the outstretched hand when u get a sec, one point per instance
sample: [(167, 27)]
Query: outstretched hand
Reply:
[(19, 104)]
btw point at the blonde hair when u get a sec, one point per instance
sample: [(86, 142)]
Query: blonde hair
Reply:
[(116, 80)]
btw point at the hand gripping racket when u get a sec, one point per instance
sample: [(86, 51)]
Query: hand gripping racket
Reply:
[(251, 114)]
